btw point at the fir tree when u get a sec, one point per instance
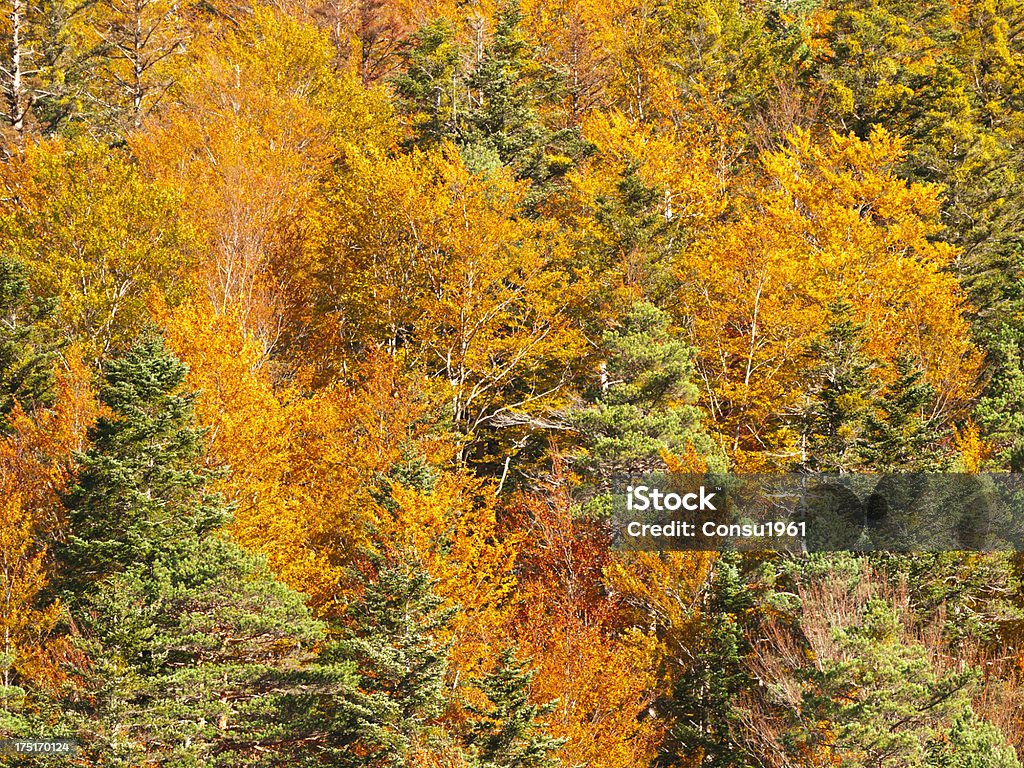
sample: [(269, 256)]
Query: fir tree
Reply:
[(503, 125), (900, 434), (191, 653), (141, 491), (430, 89), (393, 638), (26, 349), (506, 733), (641, 406), (702, 709), (842, 392)]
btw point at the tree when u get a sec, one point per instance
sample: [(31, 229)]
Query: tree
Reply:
[(971, 743), (502, 124), (946, 78), (430, 89), (835, 222), (250, 138), (393, 635), (93, 235), (703, 708), (135, 41), (140, 487), (878, 702), (641, 405), (505, 733), (26, 351), (902, 434), (26, 620), (600, 670), (192, 651), (842, 389)]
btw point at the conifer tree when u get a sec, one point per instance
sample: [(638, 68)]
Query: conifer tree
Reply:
[(190, 652), (25, 349), (641, 406), (702, 709), (971, 743), (879, 702), (393, 639), (503, 125), (899, 434), (842, 392), (506, 733), (430, 88), (142, 490)]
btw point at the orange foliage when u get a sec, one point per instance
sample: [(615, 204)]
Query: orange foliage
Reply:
[(452, 531), (603, 676), (301, 467)]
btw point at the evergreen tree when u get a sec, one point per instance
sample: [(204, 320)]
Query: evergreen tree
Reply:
[(393, 638), (503, 124), (899, 433), (26, 350), (141, 491), (641, 406), (878, 702), (191, 653), (971, 743), (430, 88), (506, 733), (702, 710), (1000, 411), (841, 393)]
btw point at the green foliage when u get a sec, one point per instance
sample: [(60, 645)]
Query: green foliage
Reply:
[(141, 490), (26, 348), (641, 406), (703, 708), (392, 637), (490, 110), (841, 395), (878, 702), (971, 743), (506, 733), (900, 434), (429, 88), (191, 653)]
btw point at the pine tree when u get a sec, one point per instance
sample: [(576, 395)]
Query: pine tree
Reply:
[(26, 350), (971, 743), (393, 639), (506, 733), (189, 651), (641, 406), (878, 702)]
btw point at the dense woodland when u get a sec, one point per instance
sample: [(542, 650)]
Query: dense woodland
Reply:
[(325, 327)]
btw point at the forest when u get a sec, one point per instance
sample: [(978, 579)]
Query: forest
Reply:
[(326, 325)]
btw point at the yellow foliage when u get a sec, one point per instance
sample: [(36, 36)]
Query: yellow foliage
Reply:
[(300, 467), (452, 531), (833, 222), (259, 119)]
